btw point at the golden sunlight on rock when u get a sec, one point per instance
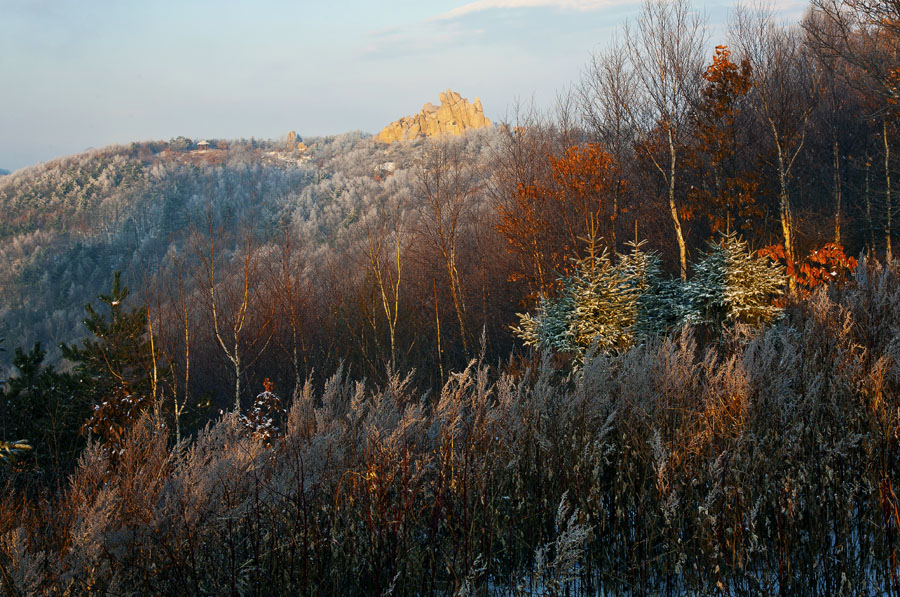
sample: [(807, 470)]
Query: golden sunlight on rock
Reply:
[(452, 117)]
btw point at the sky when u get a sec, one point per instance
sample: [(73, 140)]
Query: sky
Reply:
[(76, 74)]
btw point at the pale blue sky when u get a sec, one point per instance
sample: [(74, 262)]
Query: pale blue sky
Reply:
[(88, 73)]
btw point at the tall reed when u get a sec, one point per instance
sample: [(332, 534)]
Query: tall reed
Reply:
[(764, 462)]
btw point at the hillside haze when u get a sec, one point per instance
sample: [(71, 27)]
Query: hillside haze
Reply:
[(69, 223)]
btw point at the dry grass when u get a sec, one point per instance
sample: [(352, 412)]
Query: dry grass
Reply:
[(764, 463)]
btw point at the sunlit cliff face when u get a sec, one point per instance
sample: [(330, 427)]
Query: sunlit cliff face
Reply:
[(452, 117)]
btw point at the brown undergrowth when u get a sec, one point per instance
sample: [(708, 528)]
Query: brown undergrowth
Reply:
[(765, 462)]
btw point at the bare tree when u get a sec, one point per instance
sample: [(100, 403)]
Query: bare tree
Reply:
[(175, 315), (606, 92), (446, 182), (864, 34), (785, 86), (242, 322), (384, 253), (292, 294), (665, 52), (185, 318)]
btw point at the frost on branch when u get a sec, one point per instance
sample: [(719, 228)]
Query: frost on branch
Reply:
[(265, 416), (603, 305), (731, 284)]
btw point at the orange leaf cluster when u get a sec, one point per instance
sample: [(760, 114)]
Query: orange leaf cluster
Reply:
[(548, 222), (725, 191), (583, 178), (821, 266)]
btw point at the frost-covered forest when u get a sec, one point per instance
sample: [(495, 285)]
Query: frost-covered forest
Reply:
[(644, 342)]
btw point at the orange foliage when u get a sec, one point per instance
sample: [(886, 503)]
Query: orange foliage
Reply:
[(893, 84), (584, 177), (525, 225), (546, 223), (726, 191), (828, 264)]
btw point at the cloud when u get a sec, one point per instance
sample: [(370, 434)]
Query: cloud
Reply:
[(427, 36), (570, 5), (454, 27)]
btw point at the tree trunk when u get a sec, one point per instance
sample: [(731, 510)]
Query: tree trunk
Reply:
[(185, 322), (679, 235), (785, 208), (868, 198), (187, 377), (437, 320), (887, 193), (614, 218), (458, 303), (294, 353), (837, 193), (237, 378), (154, 379)]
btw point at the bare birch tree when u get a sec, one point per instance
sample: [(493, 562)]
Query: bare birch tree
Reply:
[(665, 53), (233, 298), (785, 85), (446, 182), (384, 253)]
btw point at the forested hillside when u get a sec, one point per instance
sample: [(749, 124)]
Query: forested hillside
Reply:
[(645, 342), (70, 223)]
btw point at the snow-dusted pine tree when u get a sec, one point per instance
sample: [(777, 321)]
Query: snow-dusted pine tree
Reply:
[(599, 305), (661, 299), (605, 305), (548, 328), (732, 284), (614, 306)]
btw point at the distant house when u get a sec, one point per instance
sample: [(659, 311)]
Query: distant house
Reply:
[(201, 145)]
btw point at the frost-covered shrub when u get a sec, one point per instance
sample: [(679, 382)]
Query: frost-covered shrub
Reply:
[(265, 418)]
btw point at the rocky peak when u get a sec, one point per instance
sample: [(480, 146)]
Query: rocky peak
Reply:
[(452, 117)]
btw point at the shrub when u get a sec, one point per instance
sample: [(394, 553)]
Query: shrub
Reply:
[(752, 467)]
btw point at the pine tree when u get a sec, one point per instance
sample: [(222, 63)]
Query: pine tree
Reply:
[(115, 352), (599, 306), (661, 299), (548, 328), (606, 305), (46, 407), (732, 284), (113, 366), (11, 450), (613, 307)]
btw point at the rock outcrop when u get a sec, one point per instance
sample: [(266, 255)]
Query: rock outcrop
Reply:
[(452, 117)]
